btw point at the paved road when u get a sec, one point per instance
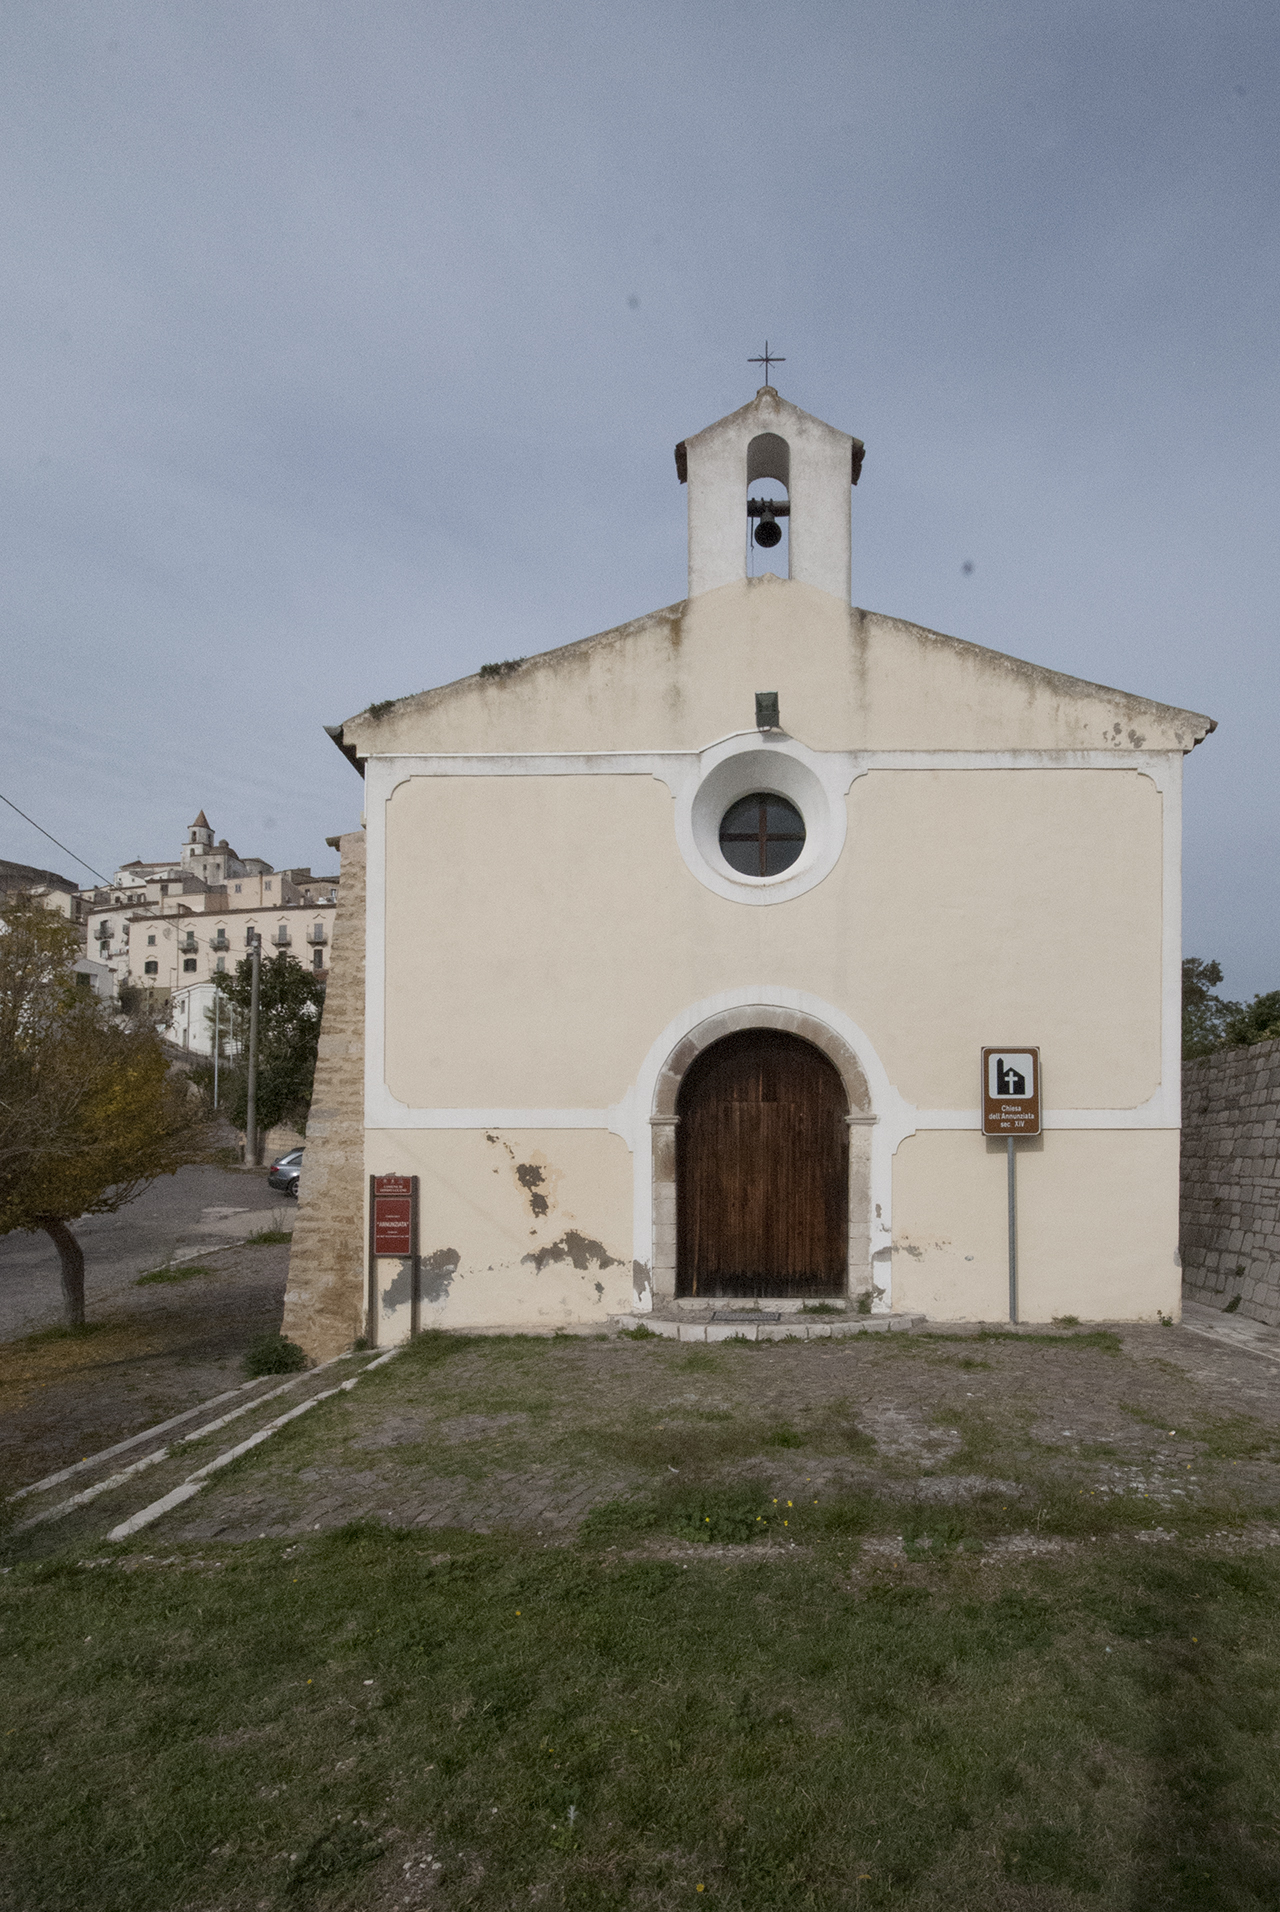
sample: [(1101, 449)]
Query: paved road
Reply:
[(198, 1208)]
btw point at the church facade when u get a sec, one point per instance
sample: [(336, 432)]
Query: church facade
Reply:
[(678, 947)]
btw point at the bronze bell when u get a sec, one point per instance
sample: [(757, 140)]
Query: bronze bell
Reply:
[(768, 531)]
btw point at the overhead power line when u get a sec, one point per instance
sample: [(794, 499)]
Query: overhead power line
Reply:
[(53, 839)]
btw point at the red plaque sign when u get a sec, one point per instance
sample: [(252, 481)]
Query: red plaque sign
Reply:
[(394, 1205)]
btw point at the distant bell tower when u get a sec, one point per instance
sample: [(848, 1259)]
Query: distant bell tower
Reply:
[(769, 438), (200, 835)]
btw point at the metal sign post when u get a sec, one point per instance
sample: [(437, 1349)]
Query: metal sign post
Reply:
[(393, 1235), (251, 1111), (1013, 1233), (1011, 1107)]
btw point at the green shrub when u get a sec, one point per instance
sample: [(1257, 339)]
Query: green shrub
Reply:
[(272, 1354)]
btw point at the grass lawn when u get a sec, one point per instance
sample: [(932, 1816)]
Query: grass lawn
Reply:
[(999, 1696)]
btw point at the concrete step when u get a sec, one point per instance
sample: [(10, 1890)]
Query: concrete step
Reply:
[(792, 1328), (149, 1462)]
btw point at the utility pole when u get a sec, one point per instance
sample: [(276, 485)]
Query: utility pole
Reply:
[(251, 1113), (217, 998)]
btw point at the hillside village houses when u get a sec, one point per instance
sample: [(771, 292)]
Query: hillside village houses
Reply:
[(669, 956), (172, 926), (61, 895), (56, 892)]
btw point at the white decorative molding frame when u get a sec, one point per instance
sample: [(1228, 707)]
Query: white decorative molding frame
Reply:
[(832, 773)]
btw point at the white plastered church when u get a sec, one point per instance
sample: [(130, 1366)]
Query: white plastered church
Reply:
[(680, 944)]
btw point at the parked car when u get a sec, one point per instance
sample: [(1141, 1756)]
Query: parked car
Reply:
[(285, 1172)]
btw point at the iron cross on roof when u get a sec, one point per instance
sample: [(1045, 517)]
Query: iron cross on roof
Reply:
[(767, 358)]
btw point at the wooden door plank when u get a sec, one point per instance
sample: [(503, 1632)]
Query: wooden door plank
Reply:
[(762, 1167)]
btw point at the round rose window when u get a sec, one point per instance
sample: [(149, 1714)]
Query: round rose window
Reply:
[(761, 835)]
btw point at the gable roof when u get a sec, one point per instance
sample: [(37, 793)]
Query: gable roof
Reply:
[(682, 677)]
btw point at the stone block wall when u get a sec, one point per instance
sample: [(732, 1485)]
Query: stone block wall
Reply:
[(1230, 1225), (324, 1303)]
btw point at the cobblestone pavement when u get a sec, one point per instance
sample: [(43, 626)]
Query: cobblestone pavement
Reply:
[(530, 1435), (154, 1351)]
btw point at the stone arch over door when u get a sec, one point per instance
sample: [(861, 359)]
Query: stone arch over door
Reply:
[(664, 1119)]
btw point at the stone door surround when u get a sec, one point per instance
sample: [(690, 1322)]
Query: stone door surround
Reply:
[(663, 1122)]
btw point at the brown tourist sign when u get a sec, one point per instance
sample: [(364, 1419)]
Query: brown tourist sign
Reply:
[(1011, 1091)]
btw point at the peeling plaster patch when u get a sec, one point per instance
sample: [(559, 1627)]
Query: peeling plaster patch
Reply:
[(640, 1280), (574, 1248), (599, 1291), (908, 1248), (438, 1271), (400, 1292), (529, 1175)]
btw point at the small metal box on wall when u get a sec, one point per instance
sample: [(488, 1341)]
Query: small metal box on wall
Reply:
[(393, 1236)]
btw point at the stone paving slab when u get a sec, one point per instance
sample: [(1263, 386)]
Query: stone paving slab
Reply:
[(530, 1435), (793, 1328), (1236, 1330)]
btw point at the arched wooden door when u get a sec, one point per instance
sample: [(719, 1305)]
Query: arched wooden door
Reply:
[(762, 1170)]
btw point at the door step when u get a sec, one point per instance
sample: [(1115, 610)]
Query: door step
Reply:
[(760, 1327)]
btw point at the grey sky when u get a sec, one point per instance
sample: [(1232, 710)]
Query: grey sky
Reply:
[(345, 348)]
